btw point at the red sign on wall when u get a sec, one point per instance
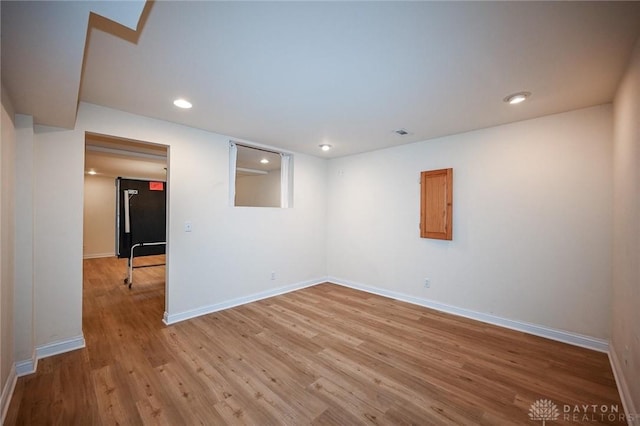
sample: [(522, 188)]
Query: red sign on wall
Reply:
[(156, 186)]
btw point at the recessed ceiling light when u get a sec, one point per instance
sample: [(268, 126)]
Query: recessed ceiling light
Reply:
[(264, 161), (92, 172), (325, 147), (401, 132), (182, 103), (517, 98)]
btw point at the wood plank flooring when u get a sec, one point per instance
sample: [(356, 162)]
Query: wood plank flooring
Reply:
[(323, 355)]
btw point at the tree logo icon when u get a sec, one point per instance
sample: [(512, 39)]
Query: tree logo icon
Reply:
[(543, 409)]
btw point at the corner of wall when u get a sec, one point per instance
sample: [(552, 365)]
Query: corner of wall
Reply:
[(623, 387), (7, 252), (625, 316)]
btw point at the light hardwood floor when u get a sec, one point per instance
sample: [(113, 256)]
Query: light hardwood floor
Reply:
[(322, 355)]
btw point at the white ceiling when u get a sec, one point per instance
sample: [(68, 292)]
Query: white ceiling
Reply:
[(110, 165), (42, 52), (113, 157), (297, 74), (249, 158)]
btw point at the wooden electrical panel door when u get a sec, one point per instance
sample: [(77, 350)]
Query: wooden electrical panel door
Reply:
[(436, 204)]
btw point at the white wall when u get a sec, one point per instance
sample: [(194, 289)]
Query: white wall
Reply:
[(24, 292), (57, 238), (625, 339), (531, 223), (231, 251), (259, 190), (7, 239), (99, 231)]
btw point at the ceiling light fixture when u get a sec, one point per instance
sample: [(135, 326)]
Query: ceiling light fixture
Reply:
[(325, 147), (92, 172), (182, 103), (401, 132), (517, 98), (264, 161)]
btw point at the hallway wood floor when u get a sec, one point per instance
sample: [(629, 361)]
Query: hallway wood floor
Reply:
[(322, 355)]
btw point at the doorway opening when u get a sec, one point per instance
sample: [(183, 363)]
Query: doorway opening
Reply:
[(125, 223)]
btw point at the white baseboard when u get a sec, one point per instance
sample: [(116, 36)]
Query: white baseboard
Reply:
[(98, 255), (59, 347), (7, 392), (632, 413), (575, 339), (204, 310), (29, 366)]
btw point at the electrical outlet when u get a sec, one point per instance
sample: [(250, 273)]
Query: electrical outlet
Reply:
[(427, 283), (273, 275)]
